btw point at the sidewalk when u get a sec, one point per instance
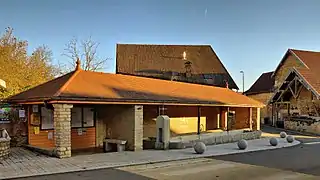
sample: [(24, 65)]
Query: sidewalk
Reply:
[(23, 163), (269, 131)]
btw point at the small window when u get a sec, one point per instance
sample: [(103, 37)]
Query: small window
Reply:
[(46, 118), (76, 119), (82, 117), (88, 117)]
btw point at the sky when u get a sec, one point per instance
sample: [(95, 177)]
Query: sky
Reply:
[(247, 35)]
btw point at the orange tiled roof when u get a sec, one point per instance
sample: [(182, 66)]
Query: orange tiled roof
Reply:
[(90, 86), (312, 72)]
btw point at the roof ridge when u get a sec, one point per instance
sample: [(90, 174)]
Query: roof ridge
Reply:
[(163, 44), (62, 88), (268, 72), (304, 50)]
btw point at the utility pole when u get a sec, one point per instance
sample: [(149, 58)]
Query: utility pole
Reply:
[(242, 72)]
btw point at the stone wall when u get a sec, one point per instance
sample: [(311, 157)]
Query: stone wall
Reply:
[(283, 71), (217, 138), (62, 129), (304, 103), (4, 148), (4, 144), (301, 126)]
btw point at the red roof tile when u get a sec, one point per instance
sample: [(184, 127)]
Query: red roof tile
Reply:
[(312, 72), (263, 84), (161, 61)]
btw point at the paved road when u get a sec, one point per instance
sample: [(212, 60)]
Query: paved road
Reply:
[(299, 162)]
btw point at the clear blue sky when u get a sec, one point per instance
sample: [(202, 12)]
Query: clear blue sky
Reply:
[(247, 35)]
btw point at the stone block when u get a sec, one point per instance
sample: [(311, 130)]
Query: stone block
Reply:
[(219, 140), (211, 141), (225, 139)]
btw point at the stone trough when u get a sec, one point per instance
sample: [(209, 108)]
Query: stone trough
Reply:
[(4, 144)]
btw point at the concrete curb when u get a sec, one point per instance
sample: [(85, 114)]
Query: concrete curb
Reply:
[(292, 131), (129, 164)]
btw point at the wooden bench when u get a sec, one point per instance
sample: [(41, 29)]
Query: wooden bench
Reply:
[(109, 143)]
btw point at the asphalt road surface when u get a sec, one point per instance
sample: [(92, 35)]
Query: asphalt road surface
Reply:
[(298, 162)]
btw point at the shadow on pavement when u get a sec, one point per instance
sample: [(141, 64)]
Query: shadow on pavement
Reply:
[(109, 174), (301, 158)]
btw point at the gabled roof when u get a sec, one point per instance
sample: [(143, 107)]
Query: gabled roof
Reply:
[(94, 87), (311, 70), (306, 78), (264, 84), (307, 58), (158, 60)]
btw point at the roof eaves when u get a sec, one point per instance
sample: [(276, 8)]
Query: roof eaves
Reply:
[(283, 59), (152, 101), (307, 83)]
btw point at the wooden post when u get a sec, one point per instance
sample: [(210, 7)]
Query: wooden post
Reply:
[(250, 118), (218, 120), (199, 122), (227, 119)]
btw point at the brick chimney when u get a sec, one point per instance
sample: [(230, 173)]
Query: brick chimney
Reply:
[(187, 65)]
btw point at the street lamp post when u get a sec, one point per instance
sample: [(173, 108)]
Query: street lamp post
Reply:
[(242, 72)]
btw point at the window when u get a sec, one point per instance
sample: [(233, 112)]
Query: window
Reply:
[(88, 117), (82, 117), (46, 118), (76, 119)]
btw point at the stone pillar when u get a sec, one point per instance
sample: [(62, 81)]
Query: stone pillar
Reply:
[(62, 129), (258, 119), (137, 128)]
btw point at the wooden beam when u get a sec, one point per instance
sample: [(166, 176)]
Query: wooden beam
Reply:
[(218, 120), (250, 118), (299, 90), (227, 118), (292, 92), (199, 122), (283, 91)]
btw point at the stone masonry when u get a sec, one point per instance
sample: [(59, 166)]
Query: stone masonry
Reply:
[(4, 144), (301, 126), (62, 130), (4, 148)]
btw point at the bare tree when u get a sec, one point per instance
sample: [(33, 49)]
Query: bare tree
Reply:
[(86, 51)]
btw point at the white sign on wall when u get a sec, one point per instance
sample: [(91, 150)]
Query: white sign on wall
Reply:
[(22, 113)]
